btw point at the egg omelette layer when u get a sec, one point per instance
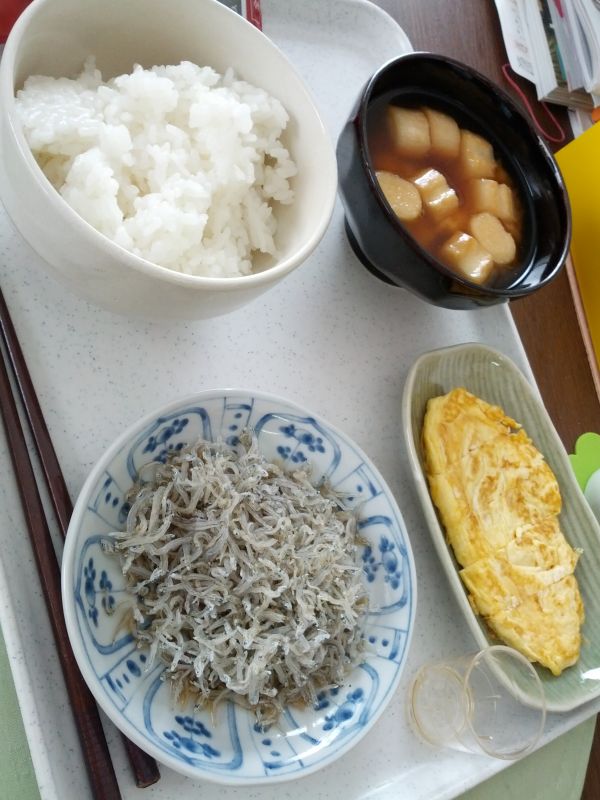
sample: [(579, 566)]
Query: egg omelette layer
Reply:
[(499, 502)]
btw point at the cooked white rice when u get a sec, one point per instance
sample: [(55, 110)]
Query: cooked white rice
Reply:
[(177, 164)]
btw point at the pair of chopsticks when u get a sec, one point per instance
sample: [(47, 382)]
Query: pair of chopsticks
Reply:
[(100, 768)]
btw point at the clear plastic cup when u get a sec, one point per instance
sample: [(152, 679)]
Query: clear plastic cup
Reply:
[(491, 702)]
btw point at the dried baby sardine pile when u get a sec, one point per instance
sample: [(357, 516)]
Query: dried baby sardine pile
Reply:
[(245, 578)]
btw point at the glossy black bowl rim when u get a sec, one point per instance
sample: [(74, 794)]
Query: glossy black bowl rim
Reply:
[(360, 122)]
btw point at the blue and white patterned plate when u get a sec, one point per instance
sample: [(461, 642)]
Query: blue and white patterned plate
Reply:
[(228, 747)]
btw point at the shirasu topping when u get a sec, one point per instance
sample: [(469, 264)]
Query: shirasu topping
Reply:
[(245, 577)]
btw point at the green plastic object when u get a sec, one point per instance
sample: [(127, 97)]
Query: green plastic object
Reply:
[(586, 458)]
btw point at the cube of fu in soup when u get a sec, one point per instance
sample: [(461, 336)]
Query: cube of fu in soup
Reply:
[(446, 186), (496, 198), (410, 131), (476, 156), (490, 233), (402, 195), (439, 199), (465, 255), (444, 134)]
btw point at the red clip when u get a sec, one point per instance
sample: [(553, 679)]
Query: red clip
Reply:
[(10, 10), (549, 137), (253, 13)]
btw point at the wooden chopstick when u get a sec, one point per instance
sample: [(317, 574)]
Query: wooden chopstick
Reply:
[(144, 767), (100, 769)]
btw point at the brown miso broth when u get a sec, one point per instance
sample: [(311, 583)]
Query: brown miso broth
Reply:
[(431, 233)]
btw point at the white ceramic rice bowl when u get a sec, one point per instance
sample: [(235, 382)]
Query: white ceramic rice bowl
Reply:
[(53, 37)]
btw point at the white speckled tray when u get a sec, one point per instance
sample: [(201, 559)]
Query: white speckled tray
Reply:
[(331, 337)]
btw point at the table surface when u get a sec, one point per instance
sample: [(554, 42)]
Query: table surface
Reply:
[(469, 31)]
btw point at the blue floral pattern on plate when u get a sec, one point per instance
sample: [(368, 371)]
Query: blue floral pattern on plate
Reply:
[(227, 745)]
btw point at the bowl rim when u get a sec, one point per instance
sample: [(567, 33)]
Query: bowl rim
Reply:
[(359, 120), (96, 239), (69, 605)]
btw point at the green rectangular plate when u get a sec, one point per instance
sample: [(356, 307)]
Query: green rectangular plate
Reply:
[(495, 378)]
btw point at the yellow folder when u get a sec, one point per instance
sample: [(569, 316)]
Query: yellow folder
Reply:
[(579, 162)]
